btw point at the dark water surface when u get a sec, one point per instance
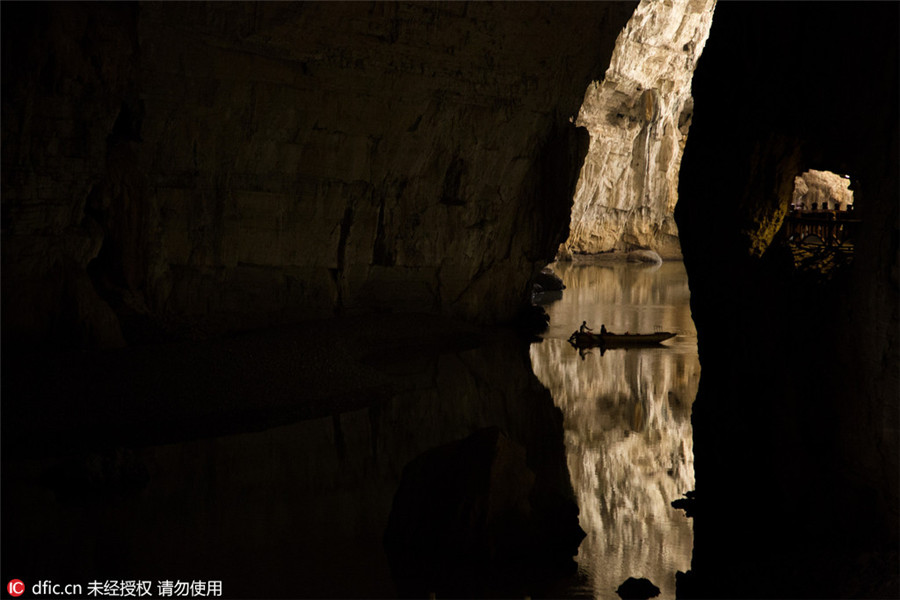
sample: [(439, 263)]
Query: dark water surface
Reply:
[(627, 418), (270, 461), (269, 499)]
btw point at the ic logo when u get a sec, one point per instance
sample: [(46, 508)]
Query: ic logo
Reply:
[(15, 587)]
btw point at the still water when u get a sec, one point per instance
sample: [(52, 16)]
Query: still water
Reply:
[(627, 418), (277, 475)]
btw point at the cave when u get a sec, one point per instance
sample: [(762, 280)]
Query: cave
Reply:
[(821, 228), (267, 268), (800, 439)]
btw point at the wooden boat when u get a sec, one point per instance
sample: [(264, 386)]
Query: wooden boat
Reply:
[(618, 340)]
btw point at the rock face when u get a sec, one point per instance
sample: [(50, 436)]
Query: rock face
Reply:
[(820, 188), (67, 74), (181, 169), (548, 281), (638, 118), (796, 454)]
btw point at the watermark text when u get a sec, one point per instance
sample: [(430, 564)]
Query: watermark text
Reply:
[(120, 588)]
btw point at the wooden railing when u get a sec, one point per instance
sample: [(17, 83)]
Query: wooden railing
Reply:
[(821, 227)]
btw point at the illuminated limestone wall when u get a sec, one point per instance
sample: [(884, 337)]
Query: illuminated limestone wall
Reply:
[(816, 187), (638, 118)]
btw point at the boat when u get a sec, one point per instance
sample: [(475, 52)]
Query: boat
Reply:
[(586, 339)]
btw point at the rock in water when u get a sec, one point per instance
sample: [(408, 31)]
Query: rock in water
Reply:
[(549, 281), (637, 589), (647, 256)]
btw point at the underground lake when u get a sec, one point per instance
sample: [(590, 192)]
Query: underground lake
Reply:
[(626, 416)]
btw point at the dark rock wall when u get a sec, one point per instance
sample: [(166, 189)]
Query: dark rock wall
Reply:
[(184, 168), (796, 421), (68, 70)]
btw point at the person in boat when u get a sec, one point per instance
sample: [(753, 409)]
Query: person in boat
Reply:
[(584, 327), (603, 329)]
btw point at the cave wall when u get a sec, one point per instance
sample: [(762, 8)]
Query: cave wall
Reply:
[(638, 117), (67, 69), (796, 420), (177, 169)]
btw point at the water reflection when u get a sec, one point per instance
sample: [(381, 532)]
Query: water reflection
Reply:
[(291, 511), (626, 419)]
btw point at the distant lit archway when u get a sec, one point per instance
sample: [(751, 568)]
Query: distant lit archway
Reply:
[(821, 227)]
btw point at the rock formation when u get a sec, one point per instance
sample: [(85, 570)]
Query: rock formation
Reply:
[(796, 420), (548, 281), (638, 118), (182, 169), (637, 589), (820, 188)]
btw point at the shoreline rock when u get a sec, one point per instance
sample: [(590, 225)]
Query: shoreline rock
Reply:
[(645, 256)]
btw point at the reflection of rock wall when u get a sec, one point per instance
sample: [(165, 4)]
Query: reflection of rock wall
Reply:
[(470, 511), (628, 437), (638, 117), (627, 417), (294, 511), (818, 187)]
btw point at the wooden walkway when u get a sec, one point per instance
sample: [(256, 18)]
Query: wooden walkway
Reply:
[(828, 227), (821, 241)]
